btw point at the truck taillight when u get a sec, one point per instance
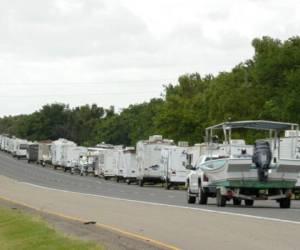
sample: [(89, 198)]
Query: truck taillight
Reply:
[(205, 178)]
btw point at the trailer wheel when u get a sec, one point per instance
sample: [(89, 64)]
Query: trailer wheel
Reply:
[(237, 201), (249, 202), (285, 203), (141, 183), (168, 184), (221, 199)]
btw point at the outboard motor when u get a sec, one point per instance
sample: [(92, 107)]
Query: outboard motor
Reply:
[(262, 157)]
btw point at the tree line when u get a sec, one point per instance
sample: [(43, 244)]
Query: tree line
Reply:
[(264, 87)]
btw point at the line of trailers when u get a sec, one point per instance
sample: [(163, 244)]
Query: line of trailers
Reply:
[(153, 161)]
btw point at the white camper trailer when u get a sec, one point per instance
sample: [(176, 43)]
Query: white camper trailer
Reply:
[(1, 140), (290, 149), (149, 159), (74, 157), (87, 162), (44, 154), (174, 160), (94, 159), (58, 149), (127, 165), (110, 160), (19, 148), (101, 158)]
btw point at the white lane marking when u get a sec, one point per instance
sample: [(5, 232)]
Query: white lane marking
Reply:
[(168, 205)]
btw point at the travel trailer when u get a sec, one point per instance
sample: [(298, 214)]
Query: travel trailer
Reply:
[(127, 165), (58, 152), (149, 165)]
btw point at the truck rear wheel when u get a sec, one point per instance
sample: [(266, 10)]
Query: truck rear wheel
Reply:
[(190, 199), (202, 197), (221, 199), (285, 203)]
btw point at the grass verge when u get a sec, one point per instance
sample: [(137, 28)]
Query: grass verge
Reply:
[(24, 232)]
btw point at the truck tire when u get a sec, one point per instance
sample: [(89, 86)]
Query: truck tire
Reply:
[(285, 203), (249, 202), (237, 201), (221, 199), (202, 197), (190, 199)]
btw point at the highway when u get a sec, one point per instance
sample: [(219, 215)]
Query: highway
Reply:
[(150, 212), (32, 173)]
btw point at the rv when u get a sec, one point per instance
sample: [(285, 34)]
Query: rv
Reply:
[(73, 158), (127, 165), (44, 153), (58, 152), (174, 160), (149, 159), (19, 149), (110, 158)]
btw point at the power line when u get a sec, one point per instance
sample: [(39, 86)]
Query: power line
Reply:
[(44, 83), (80, 94)]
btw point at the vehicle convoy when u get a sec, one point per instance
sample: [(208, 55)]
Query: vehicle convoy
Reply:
[(236, 171)]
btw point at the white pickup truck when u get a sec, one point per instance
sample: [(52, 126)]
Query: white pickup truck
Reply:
[(197, 182)]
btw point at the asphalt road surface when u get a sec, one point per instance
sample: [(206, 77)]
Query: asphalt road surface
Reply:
[(35, 174)]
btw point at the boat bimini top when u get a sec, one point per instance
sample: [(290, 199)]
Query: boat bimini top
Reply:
[(274, 129), (256, 124)]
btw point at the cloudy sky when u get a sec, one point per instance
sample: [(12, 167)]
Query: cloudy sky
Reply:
[(118, 52)]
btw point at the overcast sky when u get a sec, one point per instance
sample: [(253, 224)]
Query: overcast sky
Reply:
[(120, 52)]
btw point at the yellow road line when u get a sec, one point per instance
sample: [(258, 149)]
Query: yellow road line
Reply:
[(111, 228)]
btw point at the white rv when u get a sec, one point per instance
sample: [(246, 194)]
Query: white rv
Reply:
[(103, 154), (174, 160), (127, 165), (94, 159), (149, 159), (74, 158), (44, 153), (109, 162), (19, 148), (290, 148), (58, 151)]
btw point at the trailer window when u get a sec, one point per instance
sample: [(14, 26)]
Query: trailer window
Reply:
[(23, 146)]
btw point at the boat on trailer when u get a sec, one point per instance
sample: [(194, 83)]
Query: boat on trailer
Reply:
[(245, 172)]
